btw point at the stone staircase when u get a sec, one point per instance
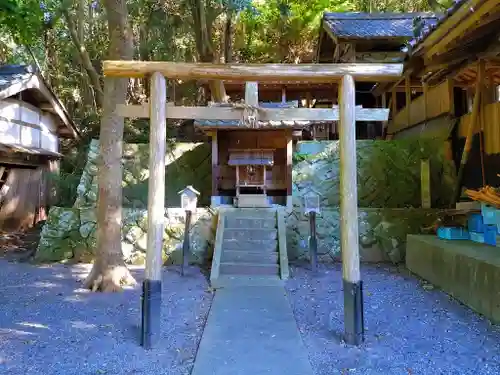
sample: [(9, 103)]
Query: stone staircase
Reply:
[(249, 249)]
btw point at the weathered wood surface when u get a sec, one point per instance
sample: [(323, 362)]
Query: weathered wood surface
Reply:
[(25, 125), (368, 72), (156, 188), (22, 198), (436, 101), (348, 184), (475, 119), (491, 113), (265, 114)]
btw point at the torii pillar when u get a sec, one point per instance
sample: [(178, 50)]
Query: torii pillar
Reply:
[(351, 276)]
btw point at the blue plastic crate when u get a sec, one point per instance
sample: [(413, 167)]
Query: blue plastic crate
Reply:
[(489, 214), (476, 237), (475, 223), (452, 233), (497, 219), (490, 235)]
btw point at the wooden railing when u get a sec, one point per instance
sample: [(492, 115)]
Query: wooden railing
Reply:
[(437, 101), (489, 121)]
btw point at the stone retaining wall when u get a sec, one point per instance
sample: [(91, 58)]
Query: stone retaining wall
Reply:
[(70, 234), (388, 176)]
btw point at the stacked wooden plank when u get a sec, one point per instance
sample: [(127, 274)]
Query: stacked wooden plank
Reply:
[(487, 195)]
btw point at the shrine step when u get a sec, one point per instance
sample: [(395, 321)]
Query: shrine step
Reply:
[(241, 234), (230, 268), (251, 213), (250, 223), (247, 250), (260, 246), (255, 257), (232, 281)]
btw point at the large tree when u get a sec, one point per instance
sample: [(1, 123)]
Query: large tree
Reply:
[(109, 271)]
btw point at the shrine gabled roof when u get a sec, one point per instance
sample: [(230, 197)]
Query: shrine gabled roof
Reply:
[(359, 25)]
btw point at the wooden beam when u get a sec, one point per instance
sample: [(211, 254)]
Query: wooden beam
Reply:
[(255, 72), (426, 93), (470, 131), (156, 188), (265, 114), (450, 23), (408, 100), (380, 57), (471, 17), (394, 103), (349, 236)]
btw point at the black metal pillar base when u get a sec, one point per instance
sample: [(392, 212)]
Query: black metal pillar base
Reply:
[(353, 313), (313, 242), (151, 311)]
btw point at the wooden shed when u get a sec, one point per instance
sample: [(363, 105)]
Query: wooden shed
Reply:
[(32, 121), (458, 60)]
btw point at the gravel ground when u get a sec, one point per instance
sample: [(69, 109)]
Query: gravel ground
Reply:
[(410, 330), (49, 326)]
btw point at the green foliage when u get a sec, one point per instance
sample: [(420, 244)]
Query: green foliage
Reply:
[(283, 31), (23, 19), (64, 185)]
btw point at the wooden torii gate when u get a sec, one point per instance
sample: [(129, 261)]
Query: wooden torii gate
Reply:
[(158, 110)]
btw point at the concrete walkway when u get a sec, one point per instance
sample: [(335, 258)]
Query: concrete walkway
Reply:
[(251, 331)]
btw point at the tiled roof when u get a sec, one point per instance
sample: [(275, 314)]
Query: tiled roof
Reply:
[(428, 28), (374, 25), (12, 74)]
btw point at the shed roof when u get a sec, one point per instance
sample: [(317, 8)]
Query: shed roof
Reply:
[(429, 27), (15, 79), (361, 25)]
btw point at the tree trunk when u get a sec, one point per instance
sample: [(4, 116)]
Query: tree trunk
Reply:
[(228, 38), (203, 39), (109, 272)]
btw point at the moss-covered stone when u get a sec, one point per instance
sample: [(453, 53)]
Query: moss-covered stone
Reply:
[(70, 234), (388, 172), (382, 232), (186, 164)]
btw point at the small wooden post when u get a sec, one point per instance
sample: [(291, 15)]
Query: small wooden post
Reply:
[(425, 183), (408, 100), (185, 242), (353, 291), (384, 105), (425, 87), (215, 200), (151, 292), (394, 102), (289, 169)]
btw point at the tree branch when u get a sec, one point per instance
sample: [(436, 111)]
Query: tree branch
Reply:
[(94, 77)]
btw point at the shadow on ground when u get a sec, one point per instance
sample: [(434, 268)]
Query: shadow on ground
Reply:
[(49, 325)]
